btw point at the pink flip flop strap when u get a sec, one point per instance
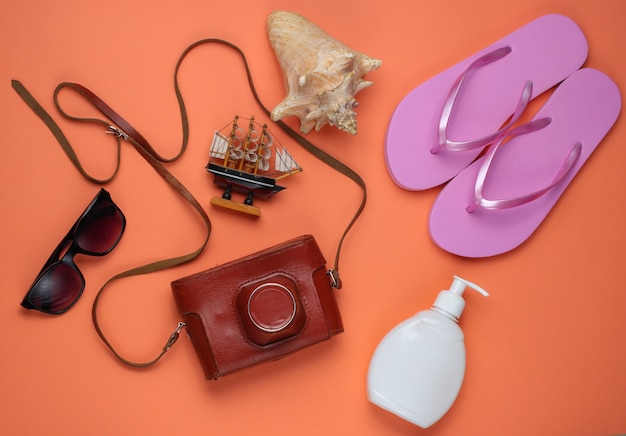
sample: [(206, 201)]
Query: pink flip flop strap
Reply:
[(448, 144), (481, 201)]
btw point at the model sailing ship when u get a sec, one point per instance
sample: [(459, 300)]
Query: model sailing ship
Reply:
[(248, 161)]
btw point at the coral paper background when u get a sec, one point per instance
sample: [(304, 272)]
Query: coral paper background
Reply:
[(546, 352)]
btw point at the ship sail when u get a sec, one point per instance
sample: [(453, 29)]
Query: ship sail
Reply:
[(253, 150), (219, 146), (285, 162)]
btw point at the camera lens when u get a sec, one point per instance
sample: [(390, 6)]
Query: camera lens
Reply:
[(271, 307)]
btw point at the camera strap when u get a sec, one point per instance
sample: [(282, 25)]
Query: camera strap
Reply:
[(122, 130)]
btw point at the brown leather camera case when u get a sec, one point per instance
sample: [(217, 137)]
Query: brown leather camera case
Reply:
[(258, 308)]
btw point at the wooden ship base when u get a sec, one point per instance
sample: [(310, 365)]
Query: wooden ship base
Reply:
[(236, 206)]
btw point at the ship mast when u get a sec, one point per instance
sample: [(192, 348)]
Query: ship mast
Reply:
[(261, 150), (248, 140), (231, 139)]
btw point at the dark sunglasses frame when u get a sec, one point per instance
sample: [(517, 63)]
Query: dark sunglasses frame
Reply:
[(68, 248)]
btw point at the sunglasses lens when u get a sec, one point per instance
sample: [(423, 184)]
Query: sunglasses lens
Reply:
[(57, 289), (101, 229)]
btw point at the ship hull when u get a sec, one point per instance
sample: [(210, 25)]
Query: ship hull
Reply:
[(241, 181)]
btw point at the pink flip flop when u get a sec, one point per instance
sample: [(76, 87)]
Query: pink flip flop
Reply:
[(497, 202), (441, 126)]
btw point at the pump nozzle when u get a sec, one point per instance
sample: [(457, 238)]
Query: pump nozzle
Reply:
[(451, 301), (459, 284)]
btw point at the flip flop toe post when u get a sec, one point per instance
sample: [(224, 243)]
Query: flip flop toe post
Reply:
[(497, 203), (441, 126)]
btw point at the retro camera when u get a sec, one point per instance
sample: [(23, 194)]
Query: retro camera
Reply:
[(258, 308)]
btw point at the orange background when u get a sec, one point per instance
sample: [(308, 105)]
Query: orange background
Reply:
[(546, 351)]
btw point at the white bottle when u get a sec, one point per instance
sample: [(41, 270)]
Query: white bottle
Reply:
[(417, 369)]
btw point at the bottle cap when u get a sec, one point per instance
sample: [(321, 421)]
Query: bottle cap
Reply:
[(451, 301)]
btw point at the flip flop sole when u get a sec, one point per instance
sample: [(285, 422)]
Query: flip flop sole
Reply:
[(583, 109), (545, 51)]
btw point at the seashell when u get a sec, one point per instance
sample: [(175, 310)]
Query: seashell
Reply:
[(321, 74)]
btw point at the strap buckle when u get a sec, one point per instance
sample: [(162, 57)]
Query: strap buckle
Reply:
[(335, 281), (117, 132), (174, 336)]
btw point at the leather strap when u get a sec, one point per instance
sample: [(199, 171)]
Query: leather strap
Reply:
[(155, 161), (307, 145), (121, 129)]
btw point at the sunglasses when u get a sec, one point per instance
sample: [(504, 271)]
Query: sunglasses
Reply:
[(60, 283)]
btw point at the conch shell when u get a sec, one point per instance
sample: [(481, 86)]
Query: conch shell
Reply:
[(321, 74)]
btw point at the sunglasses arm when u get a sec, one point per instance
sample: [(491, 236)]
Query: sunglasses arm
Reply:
[(58, 251)]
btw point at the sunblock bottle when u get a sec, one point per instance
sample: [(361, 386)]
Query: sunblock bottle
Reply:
[(417, 369)]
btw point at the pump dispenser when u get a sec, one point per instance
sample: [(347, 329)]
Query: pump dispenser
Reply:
[(418, 368)]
